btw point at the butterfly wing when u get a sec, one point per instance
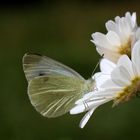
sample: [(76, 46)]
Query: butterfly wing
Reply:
[(53, 87), (37, 65), (53, 96)]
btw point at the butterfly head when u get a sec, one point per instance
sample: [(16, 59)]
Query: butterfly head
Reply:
[(89, 85)]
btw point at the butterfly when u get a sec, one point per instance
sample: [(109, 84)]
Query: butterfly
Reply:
[(53, 88)]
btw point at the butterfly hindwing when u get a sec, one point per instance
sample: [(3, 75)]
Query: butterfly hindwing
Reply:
[(53, 96)]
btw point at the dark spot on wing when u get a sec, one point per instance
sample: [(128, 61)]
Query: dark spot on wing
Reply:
[(41, 74)]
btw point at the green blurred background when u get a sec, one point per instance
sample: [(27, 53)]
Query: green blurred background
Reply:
[(61, 30)]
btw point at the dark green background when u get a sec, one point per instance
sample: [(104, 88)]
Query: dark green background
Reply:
[(62, 31)]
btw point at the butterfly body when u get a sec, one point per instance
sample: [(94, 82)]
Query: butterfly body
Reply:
[(53, 88)]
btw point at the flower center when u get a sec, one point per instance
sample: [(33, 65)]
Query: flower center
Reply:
[(128, 92), (126, 48)]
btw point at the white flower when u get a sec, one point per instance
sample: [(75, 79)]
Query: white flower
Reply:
[(123, 84), (120, 38)]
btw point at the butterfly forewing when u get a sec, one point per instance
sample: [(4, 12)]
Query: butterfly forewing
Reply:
[(54, 96), (38, 65)]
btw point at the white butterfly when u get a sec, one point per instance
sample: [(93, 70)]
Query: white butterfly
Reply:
[(53, 88)]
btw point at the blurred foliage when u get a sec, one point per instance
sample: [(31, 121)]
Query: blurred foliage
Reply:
[(61, 30)]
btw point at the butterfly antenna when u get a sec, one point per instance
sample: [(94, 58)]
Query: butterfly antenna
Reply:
[(97, 65)]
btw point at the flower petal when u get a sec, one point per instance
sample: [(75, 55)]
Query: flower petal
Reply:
[(127, 64), (138, 34), (120, 76), (117, 19), (111, 25), (86, 106), (78, 109), (100, 78), (86, 117), (113, 39), (109, 84), (107, 66), (97, 96), (136, 57), (99, 39), (133, 18), (125, 29), (107, 93)]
